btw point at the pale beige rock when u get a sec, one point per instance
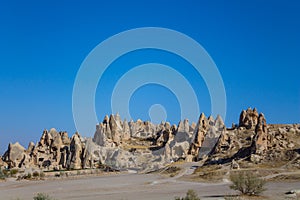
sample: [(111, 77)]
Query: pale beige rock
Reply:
[(15, 155), (76, 152), (56, 144), (102, 135), (145, 146), (126, 131), (248, 118), (234, 165), (255, 158), (211, 121), (199, 135), (116, 129), (189, 158), (261, 138), (91, 154), (65, 138), (2, 163), (30, 148), (219, 123), (165, 133), (45, 139), (183, 126)]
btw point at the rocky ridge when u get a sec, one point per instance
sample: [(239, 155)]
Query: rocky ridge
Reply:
[(144, 146)]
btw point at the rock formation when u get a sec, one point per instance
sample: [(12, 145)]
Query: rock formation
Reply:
[(76, 150), (15, 155), (199, 135), (248, 118), (146, 146), (234, 165), (260, 141)]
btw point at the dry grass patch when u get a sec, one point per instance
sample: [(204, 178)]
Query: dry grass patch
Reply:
[(211, 173), (171, 171), (286, 177), (206, 168)]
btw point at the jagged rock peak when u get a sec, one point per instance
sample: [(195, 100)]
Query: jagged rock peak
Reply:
[(106, 119), (248, 118), (183, 126), (14, 155), (142, 145), (211, 120), (202, 116), (219, 122), (261, 131)]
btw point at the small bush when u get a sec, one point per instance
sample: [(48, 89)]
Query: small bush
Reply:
[(28, 176), (14, 172), (190, 195), (42, 196), (5, 172), (62, 173), (42, 174), (35, 174), (247, 183), (2, 175)]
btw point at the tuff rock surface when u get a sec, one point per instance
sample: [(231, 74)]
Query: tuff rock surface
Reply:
[(144, 146)]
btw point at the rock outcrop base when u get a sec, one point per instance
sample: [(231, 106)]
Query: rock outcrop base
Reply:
[(144, 146)]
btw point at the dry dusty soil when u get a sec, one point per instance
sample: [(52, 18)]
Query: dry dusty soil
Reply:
[(127, 186)]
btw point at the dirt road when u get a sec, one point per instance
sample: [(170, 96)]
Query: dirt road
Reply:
[(122, 187)]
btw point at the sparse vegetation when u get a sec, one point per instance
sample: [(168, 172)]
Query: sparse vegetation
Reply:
[(42, 175), (42, 196), (171, 171), (233, 198), (190, 195), (28, 176), (209, 173), (247, 183), (35, 174), (61, 173), (2, 175), (13, 172), (5, 172)]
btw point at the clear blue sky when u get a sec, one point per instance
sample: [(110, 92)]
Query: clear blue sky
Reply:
[(255, 44)]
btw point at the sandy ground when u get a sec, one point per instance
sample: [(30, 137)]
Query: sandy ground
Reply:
[(126, 186)]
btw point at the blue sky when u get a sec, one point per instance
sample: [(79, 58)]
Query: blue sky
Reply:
[(255, 45)]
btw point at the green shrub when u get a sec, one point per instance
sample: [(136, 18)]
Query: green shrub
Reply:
[(14, 172), (2, 175), (42, 174), (62, 173), (35, 174), (190, 195), (247, 183), (42, 196), (5, 172), (28, 176)]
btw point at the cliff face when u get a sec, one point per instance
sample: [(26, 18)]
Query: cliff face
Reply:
[(257, 142), (146, 146)]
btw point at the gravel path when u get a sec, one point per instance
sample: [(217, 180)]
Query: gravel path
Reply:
[(128, 186)]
